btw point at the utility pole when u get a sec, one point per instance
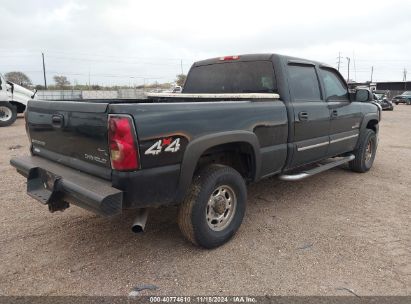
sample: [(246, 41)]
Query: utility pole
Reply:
[(404, 78), (181, 64), (339, 60), (372, 72), (44, 72), (355, 68), (348, 60)]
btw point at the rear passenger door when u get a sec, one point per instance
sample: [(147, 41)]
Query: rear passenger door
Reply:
[(311, 115), (345, 115)]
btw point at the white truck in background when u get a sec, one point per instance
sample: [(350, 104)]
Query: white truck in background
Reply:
[(13, 100)]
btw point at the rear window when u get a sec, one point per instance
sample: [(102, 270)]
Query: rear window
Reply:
[(232, 77), (304, 82)]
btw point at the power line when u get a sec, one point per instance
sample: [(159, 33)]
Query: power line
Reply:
[(77, 54), (114, 61), (97, 75)]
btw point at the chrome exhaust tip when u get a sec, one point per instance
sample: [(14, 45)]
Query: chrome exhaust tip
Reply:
[(140, 221)]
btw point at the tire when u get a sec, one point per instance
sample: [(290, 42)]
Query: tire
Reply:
[(8, 114), (396, 103), (365, 154), (212, 190)]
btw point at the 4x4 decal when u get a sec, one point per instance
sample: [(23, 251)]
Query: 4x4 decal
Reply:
[(169, 144)]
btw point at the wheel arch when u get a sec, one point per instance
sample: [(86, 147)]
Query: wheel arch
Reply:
[(370, 121), (21, 107), (196, 149)]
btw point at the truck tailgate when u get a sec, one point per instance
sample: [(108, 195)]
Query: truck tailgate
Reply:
[(71, 133)]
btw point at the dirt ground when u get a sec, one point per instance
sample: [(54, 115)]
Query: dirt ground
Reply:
[(337, 233)]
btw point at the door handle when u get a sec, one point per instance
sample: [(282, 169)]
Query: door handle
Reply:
[(334, 113), (303, 116)]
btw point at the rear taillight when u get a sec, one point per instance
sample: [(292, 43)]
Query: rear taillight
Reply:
[(123, 143)]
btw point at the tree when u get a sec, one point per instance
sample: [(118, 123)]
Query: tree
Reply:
[(181, 79), (61, 81), (18, 78)]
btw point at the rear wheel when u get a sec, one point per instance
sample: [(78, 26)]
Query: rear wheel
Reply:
[(365, 154), (8, 114), (214, 208)]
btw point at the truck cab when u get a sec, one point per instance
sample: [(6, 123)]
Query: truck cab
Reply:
[(5, 94), (13, 100)]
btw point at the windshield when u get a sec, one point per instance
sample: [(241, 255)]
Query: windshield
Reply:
[(406, 93), (232, 77)]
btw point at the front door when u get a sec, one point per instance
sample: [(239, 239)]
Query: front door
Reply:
[(311, 115), (345, 115)]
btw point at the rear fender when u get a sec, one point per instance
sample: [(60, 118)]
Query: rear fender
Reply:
[(198, 146)]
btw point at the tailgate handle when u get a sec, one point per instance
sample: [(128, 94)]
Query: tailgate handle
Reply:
[(57, 120)]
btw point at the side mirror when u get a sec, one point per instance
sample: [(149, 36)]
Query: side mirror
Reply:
[(363, 95), (34, 94)]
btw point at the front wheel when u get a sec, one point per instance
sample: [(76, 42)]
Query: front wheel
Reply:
[(365, 153), (214, 208), (8, 114)]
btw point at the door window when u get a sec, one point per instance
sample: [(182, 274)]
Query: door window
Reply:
[(335, 88), (304, 82)]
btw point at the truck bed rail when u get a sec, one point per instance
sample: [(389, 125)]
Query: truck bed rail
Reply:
[(216, 96)]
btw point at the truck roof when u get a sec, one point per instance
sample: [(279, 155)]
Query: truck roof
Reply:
[(255, 57)]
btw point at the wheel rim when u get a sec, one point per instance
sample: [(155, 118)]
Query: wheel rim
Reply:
[(221, 208), (369, 151), (5, 113)]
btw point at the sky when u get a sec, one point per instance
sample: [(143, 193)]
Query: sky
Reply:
[(126, 42)]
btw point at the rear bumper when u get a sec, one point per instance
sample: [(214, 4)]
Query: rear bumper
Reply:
[(55, 185), (144, 188)]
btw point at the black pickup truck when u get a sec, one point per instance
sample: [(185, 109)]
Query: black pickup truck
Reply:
[(239, 119)]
